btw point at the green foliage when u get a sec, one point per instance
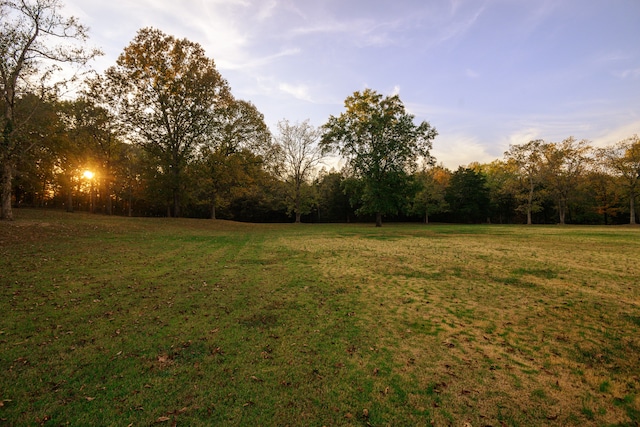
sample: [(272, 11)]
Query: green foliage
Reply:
[(468, 196), (381, 144), (169, 96)]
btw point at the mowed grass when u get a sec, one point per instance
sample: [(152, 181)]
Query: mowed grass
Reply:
[(139, 321)]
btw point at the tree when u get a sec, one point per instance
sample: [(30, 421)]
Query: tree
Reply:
[(93, 128), (381, 144), (528, 160), (430, 199), (564, 165), (333, 203), (240, 130), (624, 160), (300, 153), (501, 177), (34, 172), (468, 195), (170, 97), (29, 36)]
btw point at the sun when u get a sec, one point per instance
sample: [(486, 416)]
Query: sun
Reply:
[(88, 174)]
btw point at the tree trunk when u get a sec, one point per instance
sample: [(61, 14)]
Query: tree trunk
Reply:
[(378, 219), (632, 208), (109, 202), (69, 200), (297, 203), (5, 192), (176, 204), (562, 210), (530, 204), (426, 218)]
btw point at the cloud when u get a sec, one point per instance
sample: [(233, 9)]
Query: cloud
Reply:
[(245, 62), (299, 91), (360, 32), (632, 73), (618, 133), (454, 150), (454, 26), (472, 74), (267, 9)]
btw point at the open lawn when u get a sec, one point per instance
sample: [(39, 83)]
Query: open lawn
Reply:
[(139, 321)]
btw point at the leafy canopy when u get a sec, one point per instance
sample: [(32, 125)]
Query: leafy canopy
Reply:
[(382, 145)]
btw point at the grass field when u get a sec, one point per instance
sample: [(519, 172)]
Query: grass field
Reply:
[(138, 321)]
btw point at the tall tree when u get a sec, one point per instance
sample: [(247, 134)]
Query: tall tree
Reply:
[(169, 95), (45, 132), (501, 177), (430, 198), (624, 160), (468, 195), (34, 37), (528, 161), (565, 163), (223, 164), (333, 203), (298, 145), (381, 144)]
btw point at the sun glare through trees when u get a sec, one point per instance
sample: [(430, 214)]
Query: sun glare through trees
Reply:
[(167, 137)]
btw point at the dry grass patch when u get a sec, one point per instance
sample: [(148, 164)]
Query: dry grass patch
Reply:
[(513, 325)]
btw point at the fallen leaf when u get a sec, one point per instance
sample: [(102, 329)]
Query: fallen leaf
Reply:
[(89, 398), (162, 419), (348, 415), (365, 413)]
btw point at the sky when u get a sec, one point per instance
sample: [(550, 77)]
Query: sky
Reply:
[(484, 73)]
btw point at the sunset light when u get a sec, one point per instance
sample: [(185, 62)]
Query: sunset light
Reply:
[(88, 174)]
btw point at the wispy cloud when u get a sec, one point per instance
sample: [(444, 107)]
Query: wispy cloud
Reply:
[(632, 73), (614, 134), (360, 32), (472, 74), (244, 62), (298, 91)]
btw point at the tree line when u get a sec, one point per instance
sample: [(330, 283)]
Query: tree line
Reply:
[(160, 133)]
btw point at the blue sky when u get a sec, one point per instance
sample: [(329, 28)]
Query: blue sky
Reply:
[(484, 73)]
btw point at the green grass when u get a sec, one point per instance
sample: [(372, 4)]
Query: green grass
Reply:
[(137, 321)]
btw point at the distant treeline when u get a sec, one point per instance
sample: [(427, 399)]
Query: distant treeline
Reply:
[(160, 134)]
